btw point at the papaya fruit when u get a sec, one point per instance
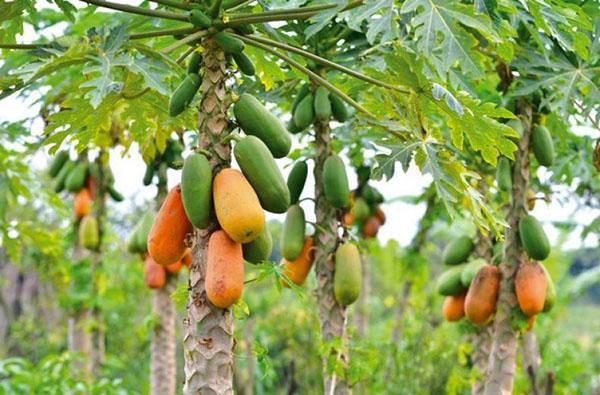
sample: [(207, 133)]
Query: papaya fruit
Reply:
[(154, 274), (244, 63), (454, 307), (91, 184), (187, 258), (302, 92), (470, 271), (504, 174), (363, 174), (380, 214), (530, 199), (542, 145), (322, 104), (148, 174), (244, 29), (184, 94), (162, 173), (296, 180), (530, 288), (304, 116), (83, 203), (530, 322), (143, 230), (224, 270), (256, 120), (292, 236), (88, 233), (348, 219), (480, 303), (458, 250), (259, 167), (58, 184), (292, 128), (338, 108), (297, 271), (348, 274), (237, 207), (534, 239), (166, 240), (449, 283), (228, 43), (114, 194), (58, 162), (196, 189), (174, 268), (259, 249), (335, 182), (194, 63), (371, 227), (550, 299), (372, 195), (75, 181), (360, 210), (199, 19)]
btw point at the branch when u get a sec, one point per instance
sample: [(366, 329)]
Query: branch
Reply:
[(315, 77), (185, 40), (185, 55), (139, 11), (24, 46), (173, 4), (166, 32)]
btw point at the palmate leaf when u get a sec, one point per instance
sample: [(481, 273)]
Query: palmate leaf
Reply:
[(380, 16)]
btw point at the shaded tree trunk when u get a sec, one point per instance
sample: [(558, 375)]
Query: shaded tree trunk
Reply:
[(502, 364), (208, 330), (332, 316), (531, 358)]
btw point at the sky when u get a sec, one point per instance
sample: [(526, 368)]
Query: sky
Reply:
[(402, 217)]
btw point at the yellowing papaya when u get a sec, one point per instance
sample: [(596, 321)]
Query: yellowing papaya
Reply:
[(348, 274), (259, 249), (260, 169), (154, 274), (196, 189), (184, 94), (504, 174), (256, 120), (244, 63), (83, 203), (338, 108), (470, 271), (335, 182), (304, 115), (534, 239), (57, 163), (75, 181), (550, 299), (292, 237), (166, 240), (458, 250), (88, 233), (224, 270), (449, 284), (297, 271), (454, 307), (480, 303), (542, 145), (237, 207), (322, 104), (296, 180), (530, 288), (228, 43)]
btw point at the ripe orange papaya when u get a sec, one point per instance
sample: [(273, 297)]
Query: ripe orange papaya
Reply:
[(83, 203), (371, 227), (530, 287), (91, 184), (154, 274), (454, 307), (237, 206), (166, 240), (482, 296), (187, 257), (174, 268), (298, 270), (348, 219), (224, 270), (380, 214)]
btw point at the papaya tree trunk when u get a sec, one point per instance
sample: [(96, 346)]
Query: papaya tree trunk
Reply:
[(208, 330), (332, 315), (531, 358), (502, 364), (162, 359)]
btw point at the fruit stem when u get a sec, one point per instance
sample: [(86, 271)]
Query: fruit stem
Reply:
[(308, 198), (135, 95), (184, 55), (202, 151), (165, 32), (185, 40), (139, 11)]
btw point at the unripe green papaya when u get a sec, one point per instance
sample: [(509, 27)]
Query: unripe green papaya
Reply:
[(304, 115), (470, 271), (302, 92), (259, 249), (372, 195), (338, 108), (196, 189), (335, 182), (360, 211), (364, 174), (183, 95), (550, 300), (292, 128), (449, 282), (59, 182), (256, 120), (261, 171), (542, 145), (504, 174), (141, 238), (534, 239), (114, 194), (296, 180), (149, 174), (244, 29), (88, 233), (57, 163), (292, 237), (200, 19), (194, 63), (76, 179), (228, 43), (131, 242), (244, 63), (322, 104), (458, 250), (348, 274)]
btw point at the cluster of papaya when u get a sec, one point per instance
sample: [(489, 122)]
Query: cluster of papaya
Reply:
[(81, 179), (171, 158), (319, 105), (365, 212)]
